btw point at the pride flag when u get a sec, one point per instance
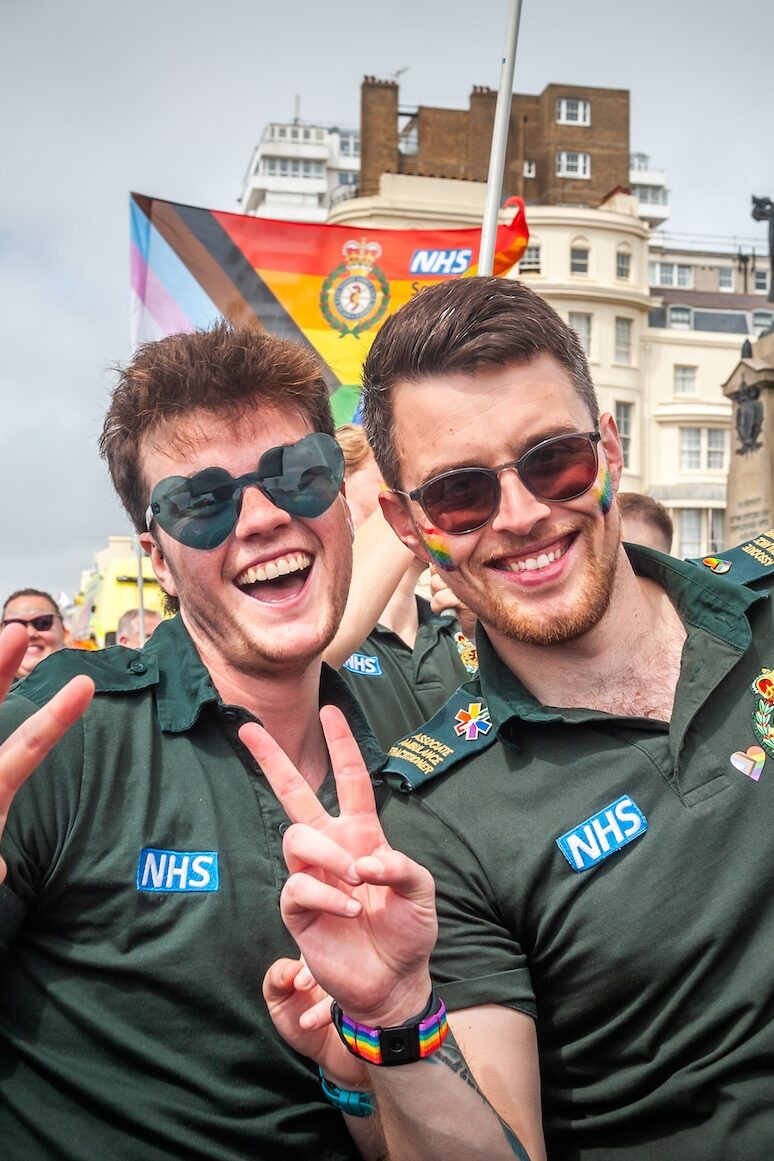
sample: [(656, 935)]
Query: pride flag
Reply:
[(329, 287)]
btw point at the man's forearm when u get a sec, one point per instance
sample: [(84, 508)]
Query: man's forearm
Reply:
[(434, 1109)]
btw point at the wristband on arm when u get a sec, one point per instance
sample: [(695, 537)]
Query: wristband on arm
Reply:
[(354, 1104), (401, 1044)]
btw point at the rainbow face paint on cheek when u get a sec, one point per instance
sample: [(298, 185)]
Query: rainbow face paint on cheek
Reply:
[(436, 547), (603, 490)]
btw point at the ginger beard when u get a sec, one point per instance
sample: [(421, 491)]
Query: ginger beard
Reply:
[(534, 617)]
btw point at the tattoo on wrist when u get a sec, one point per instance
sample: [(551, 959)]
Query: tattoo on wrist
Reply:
[(450, 1057)]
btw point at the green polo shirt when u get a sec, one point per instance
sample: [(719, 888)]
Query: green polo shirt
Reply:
[(612, 877), (399, 688), (140, 913)]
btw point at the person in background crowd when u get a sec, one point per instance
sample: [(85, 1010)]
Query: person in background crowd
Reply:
[(645, 521), (40, 615), (128, 628), (412, 660)]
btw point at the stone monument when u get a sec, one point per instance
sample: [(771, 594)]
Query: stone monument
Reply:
[(750, 493)]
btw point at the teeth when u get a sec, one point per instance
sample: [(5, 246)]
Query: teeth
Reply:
[(274, 568), (532, 563)]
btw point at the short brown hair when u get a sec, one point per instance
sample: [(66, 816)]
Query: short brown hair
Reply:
[(648, 509), (462, 325), (352, 440), (225, 370), (31, 593)]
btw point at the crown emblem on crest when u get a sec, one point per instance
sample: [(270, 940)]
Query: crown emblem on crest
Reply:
[(360, 256)]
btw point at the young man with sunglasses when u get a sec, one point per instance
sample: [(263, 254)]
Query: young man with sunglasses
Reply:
[(595, 807), (144, 857), (40, 615)]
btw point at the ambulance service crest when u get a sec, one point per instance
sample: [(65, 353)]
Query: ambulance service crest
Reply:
[(763, 689), (355, 296)]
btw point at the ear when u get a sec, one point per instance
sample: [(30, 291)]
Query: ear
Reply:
[(158, 563), (398, 517), (611, 444)]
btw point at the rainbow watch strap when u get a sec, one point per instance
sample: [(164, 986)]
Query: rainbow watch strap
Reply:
[(403, 1044)]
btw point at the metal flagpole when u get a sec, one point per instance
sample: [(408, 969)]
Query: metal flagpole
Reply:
[(494, 185)]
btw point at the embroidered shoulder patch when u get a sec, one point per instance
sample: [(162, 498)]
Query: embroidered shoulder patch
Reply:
[(748, 562), (460, 728), (363, 665)]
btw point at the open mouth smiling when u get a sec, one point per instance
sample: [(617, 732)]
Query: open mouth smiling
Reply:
[(277, 579), (536, 559)]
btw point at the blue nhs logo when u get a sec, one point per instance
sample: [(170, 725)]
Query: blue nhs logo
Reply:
[(364, 665), (440, 261), (603, 834), (194, 871)]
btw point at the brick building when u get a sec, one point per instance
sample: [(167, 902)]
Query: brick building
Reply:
[(567, 146)]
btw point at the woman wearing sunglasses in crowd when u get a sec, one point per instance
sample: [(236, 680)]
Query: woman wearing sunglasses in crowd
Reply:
[(39, 613)]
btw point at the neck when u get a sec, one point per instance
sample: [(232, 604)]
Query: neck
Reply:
[(267, 696), (628, 663)]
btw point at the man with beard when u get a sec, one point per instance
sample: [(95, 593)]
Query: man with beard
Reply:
[(144, 857), (594, 807)]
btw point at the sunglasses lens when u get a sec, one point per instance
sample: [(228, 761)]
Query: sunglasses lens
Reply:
[(461, 500), (200, 511), (562, 469), (303, 478), (43, 623)]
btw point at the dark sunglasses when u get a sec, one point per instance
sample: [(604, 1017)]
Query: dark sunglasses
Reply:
[(201, 511), (40, 624), (465, 499)]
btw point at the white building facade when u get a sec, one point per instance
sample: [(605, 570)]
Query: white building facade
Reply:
[(299, 169)]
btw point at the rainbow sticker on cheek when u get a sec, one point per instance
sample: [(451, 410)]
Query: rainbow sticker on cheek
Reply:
[(436, 547), (603, 490)]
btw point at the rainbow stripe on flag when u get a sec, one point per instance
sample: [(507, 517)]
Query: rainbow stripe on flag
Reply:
[(329, 287)]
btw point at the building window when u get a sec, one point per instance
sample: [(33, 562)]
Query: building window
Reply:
[(623, 265), (703, 449), (652, 195), (623, 420), (701, 531), (680, 318), (623, 340), (581, 324), (716, 529), (529, 169), (684, 380), (761, 321), (690, 532), (761, 281), (573, 111), (579, 260), (530, 261), (670, 274), (571, 164), (725, 278)]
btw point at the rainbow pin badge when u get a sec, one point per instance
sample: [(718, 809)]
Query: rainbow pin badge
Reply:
[(472, 721), (715, 564)]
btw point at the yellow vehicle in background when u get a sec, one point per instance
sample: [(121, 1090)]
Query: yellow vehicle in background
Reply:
[(107, 591)]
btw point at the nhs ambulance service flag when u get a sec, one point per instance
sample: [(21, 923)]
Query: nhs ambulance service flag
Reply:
[(327, 286)]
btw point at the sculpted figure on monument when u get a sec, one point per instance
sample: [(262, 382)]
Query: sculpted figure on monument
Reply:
[(749, 418), (763, 211)]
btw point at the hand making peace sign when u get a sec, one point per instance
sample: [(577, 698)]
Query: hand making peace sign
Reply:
[(362, 914), (28, 745)]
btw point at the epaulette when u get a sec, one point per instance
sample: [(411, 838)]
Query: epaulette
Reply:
[(113, 670), (460, 728), (751, 561)]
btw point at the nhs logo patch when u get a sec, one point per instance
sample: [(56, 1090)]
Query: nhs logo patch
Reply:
[(440, 261), (603, 834), (363, 665), (192, 871)]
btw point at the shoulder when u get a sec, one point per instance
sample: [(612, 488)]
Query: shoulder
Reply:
[(461, 730), (113, 670), (750, 563)]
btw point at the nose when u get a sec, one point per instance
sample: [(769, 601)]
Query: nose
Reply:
[(519, 510), (258, 516)]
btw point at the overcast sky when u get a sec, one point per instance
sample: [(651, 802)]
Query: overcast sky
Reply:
[(168, 97)]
